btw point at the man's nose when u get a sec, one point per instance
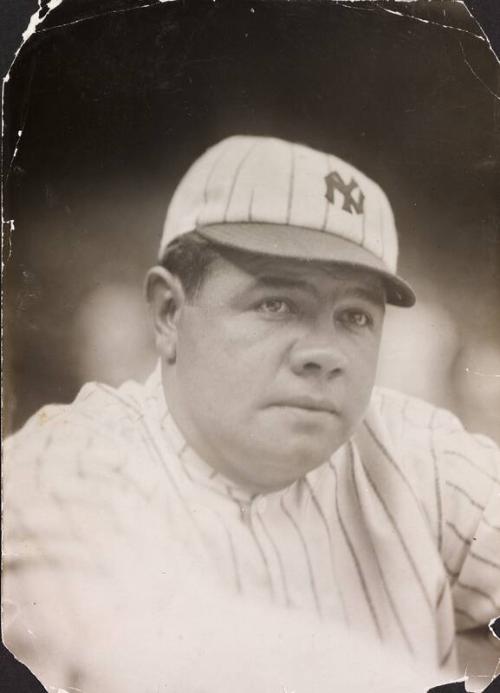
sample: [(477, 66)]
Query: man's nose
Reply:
[(319, 352)]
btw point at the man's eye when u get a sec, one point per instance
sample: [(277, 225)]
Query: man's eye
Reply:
[(275, 306), (356, 318)]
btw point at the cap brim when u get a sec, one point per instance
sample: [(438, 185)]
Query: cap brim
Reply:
[(308, 244)]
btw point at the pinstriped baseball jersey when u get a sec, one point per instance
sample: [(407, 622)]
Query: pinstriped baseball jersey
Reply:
[(398, 534)]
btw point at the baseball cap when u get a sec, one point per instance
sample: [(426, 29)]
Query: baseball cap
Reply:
[(269, 196)]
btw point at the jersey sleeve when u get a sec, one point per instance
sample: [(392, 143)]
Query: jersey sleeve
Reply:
[(469, 467), (77, 528)]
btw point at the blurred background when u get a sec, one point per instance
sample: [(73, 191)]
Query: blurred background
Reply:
[(108, 104)]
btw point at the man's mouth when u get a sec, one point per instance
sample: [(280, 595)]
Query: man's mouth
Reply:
[(309, 403)]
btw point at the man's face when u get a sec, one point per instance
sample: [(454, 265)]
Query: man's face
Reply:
[(275, 363)]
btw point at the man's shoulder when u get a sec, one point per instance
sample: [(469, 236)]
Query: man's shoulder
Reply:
[(423, 435), (412, 422), (100, 432), (413, 416), (97, 410), (395, 406)]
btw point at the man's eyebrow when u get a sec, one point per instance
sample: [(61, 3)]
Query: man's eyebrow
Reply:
[(273, 281), (374, 294)]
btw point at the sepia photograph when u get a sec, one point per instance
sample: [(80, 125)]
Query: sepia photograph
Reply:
[(251, 348)]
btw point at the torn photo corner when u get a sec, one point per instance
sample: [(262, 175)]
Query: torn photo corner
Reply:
[(236, 456)]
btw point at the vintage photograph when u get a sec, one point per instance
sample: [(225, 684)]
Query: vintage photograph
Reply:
[(251, 347)]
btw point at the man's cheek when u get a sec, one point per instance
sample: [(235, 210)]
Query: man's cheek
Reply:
[(357, 395), (366, 365)]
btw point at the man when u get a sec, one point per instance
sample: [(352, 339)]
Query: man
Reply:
[(259, 453)]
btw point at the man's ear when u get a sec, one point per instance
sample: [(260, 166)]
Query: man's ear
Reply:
[(166, 297)]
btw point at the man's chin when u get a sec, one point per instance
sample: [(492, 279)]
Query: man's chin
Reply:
[(292, 462)]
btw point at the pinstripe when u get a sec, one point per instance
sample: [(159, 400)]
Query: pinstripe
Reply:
[(278, 557), (401, 540), (437, 490), (393, 463), (255, 538), (211, 488), (198, 482), (211, 173), (489, 476), (62, 505), (262, 554), (490, 524), (84, 397), (485, 444), (441, 594), (236, 176), (363, 229), (355, 558), (232, 551), (464, 493), (201, 484), (119, 472), (236, 567), (327, 202), (394, 609), (480, 593), (250, 206), (462, 612), (184, 465), (416, 423), (448, 652), (290, 186), (154, 446), (381, 221), (425, 512), (486, 561), (324, 522), (457, 533), (306, 553), (381, 235), (119, 398), (453, 574)]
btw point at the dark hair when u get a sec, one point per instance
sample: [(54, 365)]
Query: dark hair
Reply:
[(190, 257)]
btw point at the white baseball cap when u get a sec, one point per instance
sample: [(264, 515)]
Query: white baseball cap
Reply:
[(269, 196)]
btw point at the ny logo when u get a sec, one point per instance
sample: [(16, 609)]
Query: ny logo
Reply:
[(334, 182)]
